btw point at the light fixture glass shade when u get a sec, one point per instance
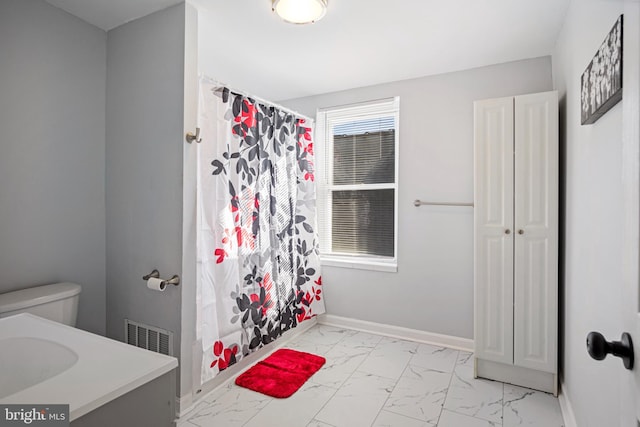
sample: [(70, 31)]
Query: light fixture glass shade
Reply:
[(300, 11)]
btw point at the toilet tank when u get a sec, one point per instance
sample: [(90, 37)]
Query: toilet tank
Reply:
[(57, 302)]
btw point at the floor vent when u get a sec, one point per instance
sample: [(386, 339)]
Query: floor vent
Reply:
[(148, 337)]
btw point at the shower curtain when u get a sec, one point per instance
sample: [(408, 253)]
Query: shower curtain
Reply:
[(258, 259)]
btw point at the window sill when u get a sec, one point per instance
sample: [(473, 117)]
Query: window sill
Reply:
[(359, 263)]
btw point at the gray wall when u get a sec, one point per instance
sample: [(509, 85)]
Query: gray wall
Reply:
[(591, 283), (144, 143), (52, 160), (433, 288)]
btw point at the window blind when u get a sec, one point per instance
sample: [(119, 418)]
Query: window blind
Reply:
[(367, 158), (357, 187), (363, 222)]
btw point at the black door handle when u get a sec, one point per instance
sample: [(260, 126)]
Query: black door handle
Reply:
[(598, 348)]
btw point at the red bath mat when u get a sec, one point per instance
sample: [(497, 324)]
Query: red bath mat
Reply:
[(282, 373)]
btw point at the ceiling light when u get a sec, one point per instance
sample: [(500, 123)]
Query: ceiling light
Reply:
[(300, 11)]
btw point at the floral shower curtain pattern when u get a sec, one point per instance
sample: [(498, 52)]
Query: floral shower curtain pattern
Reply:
[(258, 258)]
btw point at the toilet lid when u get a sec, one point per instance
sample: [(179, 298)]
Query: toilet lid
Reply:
[(24, 298)]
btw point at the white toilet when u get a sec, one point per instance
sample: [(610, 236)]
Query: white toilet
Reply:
[(57, 302)]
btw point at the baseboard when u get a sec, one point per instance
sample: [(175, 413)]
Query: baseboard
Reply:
[(516, 375), (440, 340), (565, 406), (185, 404)]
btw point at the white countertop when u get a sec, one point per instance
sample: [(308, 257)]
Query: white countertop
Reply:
[(106, 369)]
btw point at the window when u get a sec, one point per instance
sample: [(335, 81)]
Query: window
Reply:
[(357, 184)]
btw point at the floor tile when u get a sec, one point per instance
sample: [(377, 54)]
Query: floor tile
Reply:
[(420, 393), (316, 423), (524, 407), (184, 423), (342, 361), (326, 335), (389, 358), (396, 343), (357, 402), (437, 358), (202, 404), (230, 406), (389, 419), (475, 397), (361, 340), (451, 419), (295, 411), (465, 361), (309, 347)]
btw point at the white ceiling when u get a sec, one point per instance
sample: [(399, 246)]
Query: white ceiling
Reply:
[(358, 43)]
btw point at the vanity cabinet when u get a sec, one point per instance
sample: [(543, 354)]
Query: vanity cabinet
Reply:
[(516, 240)]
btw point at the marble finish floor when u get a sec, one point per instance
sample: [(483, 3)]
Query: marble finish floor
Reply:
[(371, 380)]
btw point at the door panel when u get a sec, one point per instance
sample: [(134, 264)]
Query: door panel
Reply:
[(493, 221), (536, 226), (630, 174)]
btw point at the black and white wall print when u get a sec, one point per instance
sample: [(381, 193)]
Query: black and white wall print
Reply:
[(602, 80)]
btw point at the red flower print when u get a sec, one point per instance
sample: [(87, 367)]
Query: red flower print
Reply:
[(308, 176), (319, 281), (220, 253), (304, 309), (227, 237), (226, 356), (247, 116), (266, 282), (234, 204), (302, 315), (306, 299), (265, 303), (304, 132), (261, 304), (225, 361), (217, 348), (309, 148), (239, 235)]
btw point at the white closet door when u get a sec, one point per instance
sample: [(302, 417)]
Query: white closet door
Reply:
[(536, 237), (493, 221)]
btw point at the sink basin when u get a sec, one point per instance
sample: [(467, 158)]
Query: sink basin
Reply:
[(25, 362)]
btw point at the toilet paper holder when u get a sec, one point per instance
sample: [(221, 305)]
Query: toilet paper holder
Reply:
[(175, 280)]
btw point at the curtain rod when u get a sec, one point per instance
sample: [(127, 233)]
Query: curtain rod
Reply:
[(257, 98)]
